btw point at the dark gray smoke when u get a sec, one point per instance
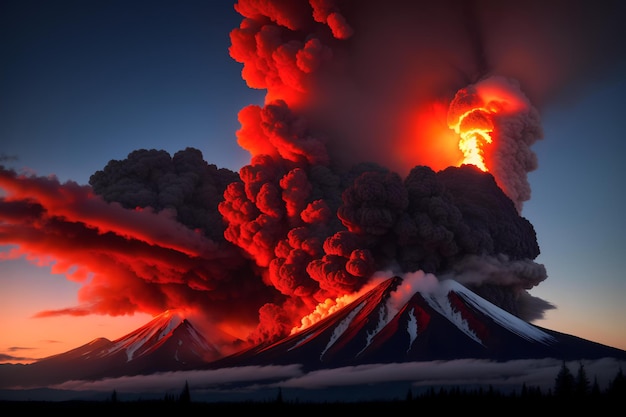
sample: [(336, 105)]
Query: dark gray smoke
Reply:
[(353, 168), (184, 183)]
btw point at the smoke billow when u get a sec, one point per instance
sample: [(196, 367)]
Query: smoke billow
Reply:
[(353, 168)]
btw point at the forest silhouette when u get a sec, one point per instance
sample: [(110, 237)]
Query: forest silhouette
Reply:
[(569, 389)]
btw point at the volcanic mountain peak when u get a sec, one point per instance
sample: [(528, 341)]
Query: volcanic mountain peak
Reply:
[(450, 299), (409, 320), (167, 343), (398, 320), (151, 335)]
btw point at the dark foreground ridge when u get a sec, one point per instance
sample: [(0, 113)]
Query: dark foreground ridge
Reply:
[(569, 391), (443, 399)]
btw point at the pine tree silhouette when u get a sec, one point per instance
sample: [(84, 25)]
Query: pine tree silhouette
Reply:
[(595, 388), (185, 396), (581, 388), (564, 382), (617, 387)]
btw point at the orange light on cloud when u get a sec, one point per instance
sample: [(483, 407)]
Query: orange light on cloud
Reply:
[(432, 141), (474, 128), (471, 116), (330, 306)]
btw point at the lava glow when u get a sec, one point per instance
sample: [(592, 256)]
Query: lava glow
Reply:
[(474, 128), (472, 116), (352, 171)]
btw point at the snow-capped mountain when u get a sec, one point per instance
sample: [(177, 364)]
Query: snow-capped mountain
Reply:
[(168, 342), (444, 323), (168, 336), (386, 325)]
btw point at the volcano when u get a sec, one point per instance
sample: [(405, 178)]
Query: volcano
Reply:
[(168, 342), (443, 322)]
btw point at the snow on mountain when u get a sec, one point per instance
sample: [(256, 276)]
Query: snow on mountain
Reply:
[(502, 317), (397, 321), (167, 343), (158, 331), (146, 337), (441, 322)]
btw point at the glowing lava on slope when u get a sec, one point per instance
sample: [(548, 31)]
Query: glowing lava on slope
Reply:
[(322, 206)]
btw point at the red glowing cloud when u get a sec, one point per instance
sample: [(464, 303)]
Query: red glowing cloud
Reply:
[(127, 260), (353, 169)]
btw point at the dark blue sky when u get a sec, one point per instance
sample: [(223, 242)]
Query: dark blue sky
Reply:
[(91, 81)]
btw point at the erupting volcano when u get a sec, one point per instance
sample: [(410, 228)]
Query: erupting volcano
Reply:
[(343, 187)]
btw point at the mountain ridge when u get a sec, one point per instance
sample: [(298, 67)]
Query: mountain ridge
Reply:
[(387, 324), (168, 342), (449, 323)]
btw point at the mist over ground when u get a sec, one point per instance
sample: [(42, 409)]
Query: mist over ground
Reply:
[(353, 168), (352, 384)]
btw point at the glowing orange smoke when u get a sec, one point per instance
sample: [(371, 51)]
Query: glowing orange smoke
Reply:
[(325, 309), (474, 127), (329, 306), (471, 115), (430, 121)]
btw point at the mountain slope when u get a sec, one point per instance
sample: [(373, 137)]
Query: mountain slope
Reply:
[(388, 324), (167, 343), (450, 322)]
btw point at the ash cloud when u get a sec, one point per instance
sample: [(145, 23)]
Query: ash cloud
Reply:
[(353, 168), (126, 260)]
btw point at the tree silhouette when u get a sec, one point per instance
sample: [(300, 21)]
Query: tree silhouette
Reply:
[(185, 396), (582, 382), (564, 382), (617, 387), (595, 388)]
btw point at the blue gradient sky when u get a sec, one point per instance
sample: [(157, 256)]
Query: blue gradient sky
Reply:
[(80, 86)]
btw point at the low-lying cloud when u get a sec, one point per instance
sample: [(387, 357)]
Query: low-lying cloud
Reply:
[(251, 381)]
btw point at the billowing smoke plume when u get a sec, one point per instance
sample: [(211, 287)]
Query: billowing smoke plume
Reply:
[(354, 169)]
